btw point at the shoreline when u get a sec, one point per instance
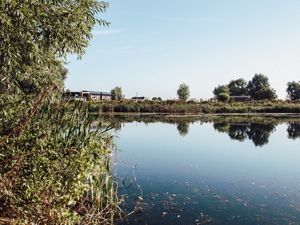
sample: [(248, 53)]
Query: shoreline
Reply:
[(277, 115)]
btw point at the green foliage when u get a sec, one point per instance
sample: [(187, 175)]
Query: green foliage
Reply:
[(293, 90), (259, 88), (116, 93), (183, 92), (221, 89), (238, 87), (171, 106), (55, 165), (223, 97), (37, 35)]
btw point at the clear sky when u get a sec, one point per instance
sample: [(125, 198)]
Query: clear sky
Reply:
[(152, 46)]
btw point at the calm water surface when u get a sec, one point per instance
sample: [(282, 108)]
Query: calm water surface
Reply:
[(235, 171)]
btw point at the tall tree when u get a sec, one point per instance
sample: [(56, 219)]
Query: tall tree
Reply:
[(221, 89), (259, 88), (116, 93), (238, 87), (183, 92), (37, 35), (293, 90)]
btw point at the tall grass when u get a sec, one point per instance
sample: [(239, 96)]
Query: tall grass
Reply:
[(180, 107), (56, 166)]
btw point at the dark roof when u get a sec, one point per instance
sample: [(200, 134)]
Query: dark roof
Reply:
[(106, 93), (142, 98), (98, 92)]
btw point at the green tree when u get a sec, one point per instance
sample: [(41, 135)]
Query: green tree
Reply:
[(238, 87), (221, 89), (183, 92), (37, 35), (293, 90), (259, 88), (116, 93), (223, 97)]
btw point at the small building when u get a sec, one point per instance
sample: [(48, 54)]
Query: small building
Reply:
[(245, 98), (88, 95), (97, 95)]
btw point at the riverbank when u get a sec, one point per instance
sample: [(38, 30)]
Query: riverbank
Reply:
[(194, 108)]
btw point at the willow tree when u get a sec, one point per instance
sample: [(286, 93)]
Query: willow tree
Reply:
[(183, 92), (116, 93), (36, 37), (52, 168)]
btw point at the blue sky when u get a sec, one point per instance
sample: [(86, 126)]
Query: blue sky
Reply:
[(152, 46)]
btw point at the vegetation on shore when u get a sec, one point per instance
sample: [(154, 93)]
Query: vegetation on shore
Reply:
[(191, 107), (55, 161)]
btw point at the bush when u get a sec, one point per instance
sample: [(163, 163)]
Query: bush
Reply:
[(223, 97)]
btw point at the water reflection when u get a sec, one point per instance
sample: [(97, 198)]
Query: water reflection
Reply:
[(257, 132), (183, 129), (240, 128), (293, 130), (215, 181)]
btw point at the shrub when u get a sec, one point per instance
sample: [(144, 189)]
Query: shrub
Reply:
[(223, 97)]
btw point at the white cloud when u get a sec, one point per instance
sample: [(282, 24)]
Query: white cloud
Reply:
[(106, 32)]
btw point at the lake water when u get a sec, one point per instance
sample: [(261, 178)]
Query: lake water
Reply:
[(221, 170)]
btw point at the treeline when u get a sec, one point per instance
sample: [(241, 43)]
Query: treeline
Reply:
[(258, 88), (191, 107)]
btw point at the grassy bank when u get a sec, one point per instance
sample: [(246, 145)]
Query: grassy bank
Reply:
[(170, 106), (55, 165)]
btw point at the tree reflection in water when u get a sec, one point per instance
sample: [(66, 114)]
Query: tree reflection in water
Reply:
[(257, 132), (256, 129), (260, 133), (238, 131), (183, 128), (293, 130)]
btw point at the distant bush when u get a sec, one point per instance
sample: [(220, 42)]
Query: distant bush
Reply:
[(223, 97)]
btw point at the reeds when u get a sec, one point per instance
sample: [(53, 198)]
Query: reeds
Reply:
[(191, 107), (56, 168)]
